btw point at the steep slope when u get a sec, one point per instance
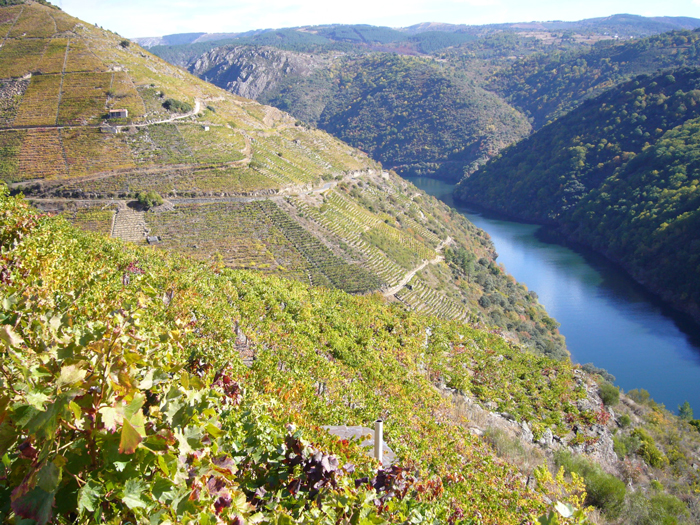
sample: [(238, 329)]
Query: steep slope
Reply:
[(547, 85), (142, 387), (243, 183), (417, 116), (619, 174)]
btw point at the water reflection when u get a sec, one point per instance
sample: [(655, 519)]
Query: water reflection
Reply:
[(606, 317)]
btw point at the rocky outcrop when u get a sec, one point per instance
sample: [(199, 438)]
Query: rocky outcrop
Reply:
[(594, 441), (251, 71)]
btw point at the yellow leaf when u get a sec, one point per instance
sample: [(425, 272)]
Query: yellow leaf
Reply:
[(111, 417), (71, 374), (9, 336), (130, 439)]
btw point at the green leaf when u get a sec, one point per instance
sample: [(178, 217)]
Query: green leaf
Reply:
[(131, 495), (130, 438), (8, 435), (49, 477), (45, 424), (135, 405), (138, 421), (89, 496), (164, 490), (55, 322), (9, 302), (156, 443), (9, 336), (37, 400), (71, 374), (36, 504)]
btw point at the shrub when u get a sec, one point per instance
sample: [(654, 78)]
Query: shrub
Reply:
[(620, 447), (149, 199), (610, 394), (625, 420), (661, 508), (604, 491), (125, 43), (177, 106), (648, 450)]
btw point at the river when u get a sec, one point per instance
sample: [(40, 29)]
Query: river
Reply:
[(607, 318)]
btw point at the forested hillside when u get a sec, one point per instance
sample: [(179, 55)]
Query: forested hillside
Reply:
[(619, 174), (547, 85), (417, 116)]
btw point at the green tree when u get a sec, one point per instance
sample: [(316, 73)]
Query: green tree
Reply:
[(685, 411)]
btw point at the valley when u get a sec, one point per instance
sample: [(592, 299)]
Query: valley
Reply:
[(608, 319), (196, 285)]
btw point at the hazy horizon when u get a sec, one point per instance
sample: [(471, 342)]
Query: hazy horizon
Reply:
[(152, 18)]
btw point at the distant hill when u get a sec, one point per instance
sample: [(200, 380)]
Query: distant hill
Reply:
[(547, 85), (620, 25), (444, 116), (415, 115), (620, 174)]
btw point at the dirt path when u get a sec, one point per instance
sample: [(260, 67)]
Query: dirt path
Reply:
[(409, 275), (197, 109)]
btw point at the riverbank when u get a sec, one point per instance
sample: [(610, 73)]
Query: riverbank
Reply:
[(606, 317)]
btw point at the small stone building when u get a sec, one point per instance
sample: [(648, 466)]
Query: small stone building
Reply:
[(118, 113)]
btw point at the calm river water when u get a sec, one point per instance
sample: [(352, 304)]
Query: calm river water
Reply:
[(606, 317)]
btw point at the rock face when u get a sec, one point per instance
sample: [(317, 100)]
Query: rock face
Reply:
[(250, 71), (594, 441)]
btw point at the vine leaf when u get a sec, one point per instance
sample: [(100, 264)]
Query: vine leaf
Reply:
[(111, 418), (9, 336), (130, 439), (33, 498), (89, 496), (132, 494), (71, 374)]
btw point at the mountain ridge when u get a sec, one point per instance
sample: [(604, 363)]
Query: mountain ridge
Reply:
[(630, 22)]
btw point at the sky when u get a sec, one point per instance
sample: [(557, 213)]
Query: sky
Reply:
[(142, 18)]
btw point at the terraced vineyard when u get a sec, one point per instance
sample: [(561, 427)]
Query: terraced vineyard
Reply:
[(245, 185), (92, 218), (84, 97), (424, 299), (323, 264), (349, 226), (39, 105), (241, 234), (41, 155), (88, 151)]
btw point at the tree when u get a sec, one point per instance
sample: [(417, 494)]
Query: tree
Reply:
[(685, 411), (149, 199)]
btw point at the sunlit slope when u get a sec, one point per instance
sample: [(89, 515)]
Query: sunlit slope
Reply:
[(63, 78), (242, 183)]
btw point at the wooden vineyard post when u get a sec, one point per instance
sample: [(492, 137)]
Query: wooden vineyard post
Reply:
[(379, 440)]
